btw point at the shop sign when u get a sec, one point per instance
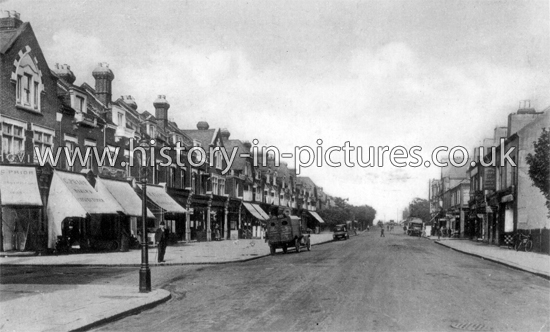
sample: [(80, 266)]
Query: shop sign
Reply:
[(14, 158), (112, 172), (191, 211), (19, 186), (489, 182)]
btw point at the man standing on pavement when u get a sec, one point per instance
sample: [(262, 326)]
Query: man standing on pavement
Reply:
[(382, 232), (161, 237)]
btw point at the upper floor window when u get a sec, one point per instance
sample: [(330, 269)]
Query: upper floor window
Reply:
[(43, 139), (70, 143), (151, 130), (218, 159), (120, 119), (215, 185), (13, 137), (28, 83), (79, 104), (221, 187)]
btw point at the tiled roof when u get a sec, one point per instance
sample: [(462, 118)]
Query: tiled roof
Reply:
[(306, 181), (205, 137), (239, 163)]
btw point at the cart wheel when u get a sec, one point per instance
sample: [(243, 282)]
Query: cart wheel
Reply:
[(272, 250), (308, 245), (297, 245), (284, 249)]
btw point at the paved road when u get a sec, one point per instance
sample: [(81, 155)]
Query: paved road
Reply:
[(367, 283)]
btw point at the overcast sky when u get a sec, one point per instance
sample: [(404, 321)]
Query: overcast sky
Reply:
[(287, 73)]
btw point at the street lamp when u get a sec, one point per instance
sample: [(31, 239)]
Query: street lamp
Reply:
[(144, 271)]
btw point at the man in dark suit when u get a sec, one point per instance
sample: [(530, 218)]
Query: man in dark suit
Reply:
[(161, 237)]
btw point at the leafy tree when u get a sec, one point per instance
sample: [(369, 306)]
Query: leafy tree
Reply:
[(343, 211), (539, 165), (420, 208)]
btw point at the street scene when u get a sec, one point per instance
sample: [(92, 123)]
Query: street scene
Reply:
[(274, 166)]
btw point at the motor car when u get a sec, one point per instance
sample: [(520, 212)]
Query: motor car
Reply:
[(285, 232), (415, 229), (340, 232)]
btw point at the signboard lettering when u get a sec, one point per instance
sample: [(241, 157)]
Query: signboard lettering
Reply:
[(489, 179)]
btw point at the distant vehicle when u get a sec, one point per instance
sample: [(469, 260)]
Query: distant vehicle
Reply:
[(340, 232), (287, 231), (415, 228)]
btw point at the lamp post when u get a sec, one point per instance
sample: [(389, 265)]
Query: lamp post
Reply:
[(144, 271)]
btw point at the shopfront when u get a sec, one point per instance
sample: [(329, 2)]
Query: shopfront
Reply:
[(253, 221), (78, 212), (166, 209), (127, 225), (318, 222), (20, 208)]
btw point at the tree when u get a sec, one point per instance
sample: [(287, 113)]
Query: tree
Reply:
[(420, 208), (343, 211), (539, 165)]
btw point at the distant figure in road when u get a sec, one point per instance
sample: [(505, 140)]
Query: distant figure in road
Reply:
[(439, 233), (368, 228), (405, 229), (382, 232), (161, 237)]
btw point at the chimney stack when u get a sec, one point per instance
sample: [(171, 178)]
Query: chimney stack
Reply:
[(103, 78), (161, 110), (224, 133), (9, 20), (525, 107), (64, 72)]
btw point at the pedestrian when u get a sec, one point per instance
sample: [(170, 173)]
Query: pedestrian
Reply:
[(382, 232), (368, 228), (439, 233), (161, 237), (217, 232)]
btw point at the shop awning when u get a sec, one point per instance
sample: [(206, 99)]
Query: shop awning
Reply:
[(316, 216), (159, 196), (18, 186), (250, 207), (124, 195), (260, 211), (71, 195)]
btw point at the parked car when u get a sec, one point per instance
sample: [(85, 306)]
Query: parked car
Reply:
[(287, 231), (340, 232), (415, 229)]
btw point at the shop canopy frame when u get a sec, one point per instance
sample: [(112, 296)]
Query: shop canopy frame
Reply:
[(158, 196), (256, 211), (316, 216), (19, 187), (123, 193), (72, 196)]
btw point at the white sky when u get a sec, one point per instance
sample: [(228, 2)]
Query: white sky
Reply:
[(287, 73)]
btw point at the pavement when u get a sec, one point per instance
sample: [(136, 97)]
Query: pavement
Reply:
[(531, 262), (81, 307)]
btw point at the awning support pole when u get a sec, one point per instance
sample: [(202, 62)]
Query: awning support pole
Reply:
[(208, 229), (188, 218), (226, 210)]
